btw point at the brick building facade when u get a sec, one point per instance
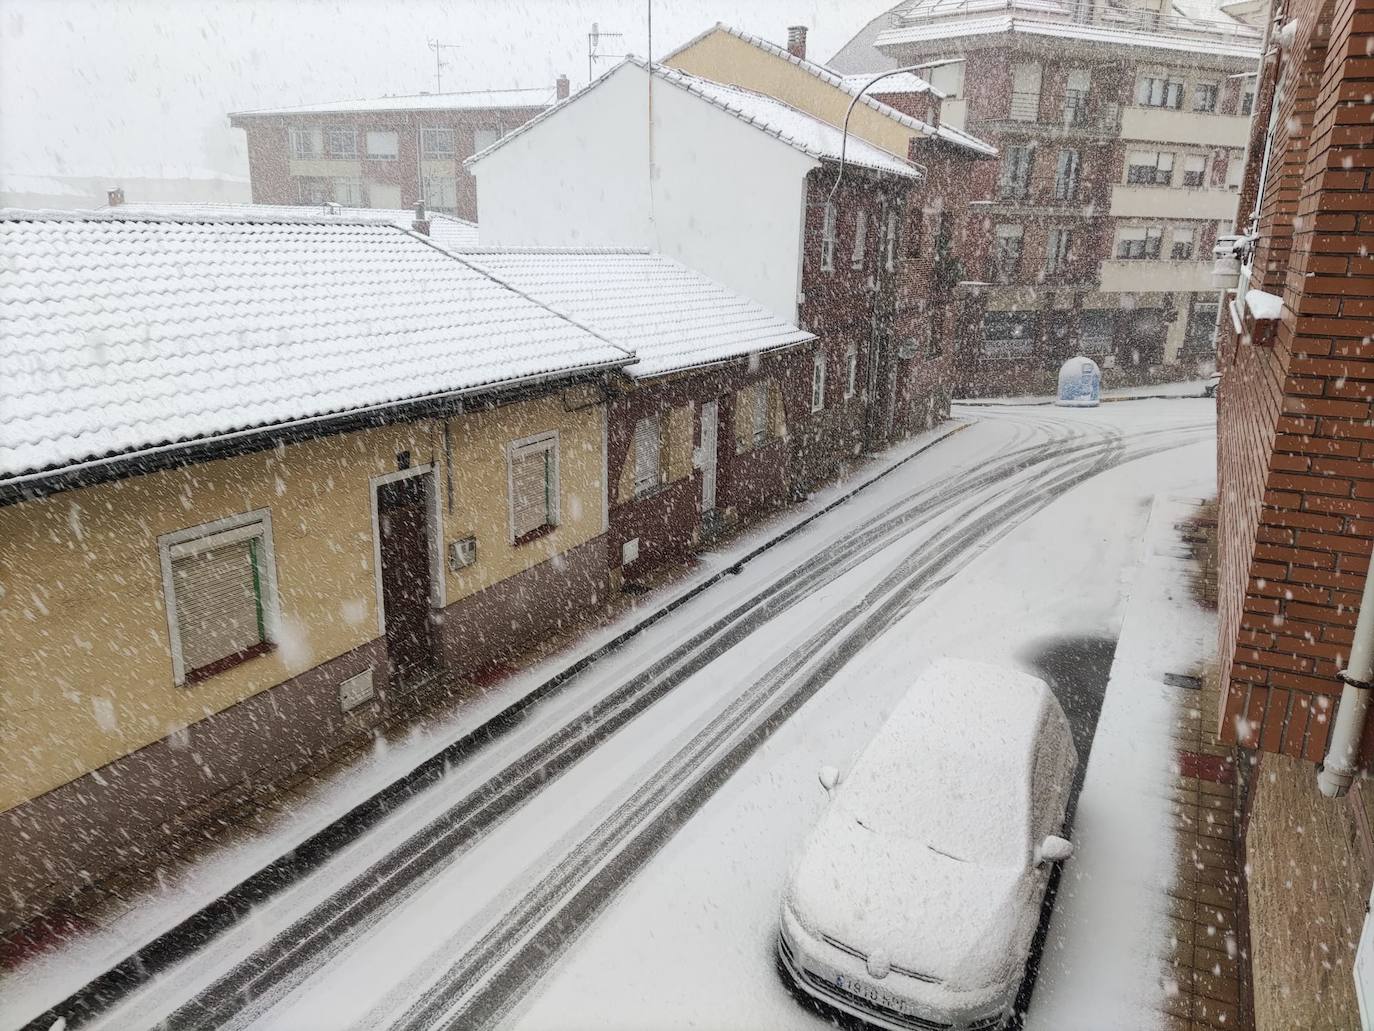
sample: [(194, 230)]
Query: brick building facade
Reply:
[(1121, 132), (387, 153), (1296, 478)]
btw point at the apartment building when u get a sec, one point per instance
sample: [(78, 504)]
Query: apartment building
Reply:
[(1296, 479), (1122, 132), (388, 153)]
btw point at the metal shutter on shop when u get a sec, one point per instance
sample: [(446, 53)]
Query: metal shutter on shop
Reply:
[(218, 602), (530, 508)]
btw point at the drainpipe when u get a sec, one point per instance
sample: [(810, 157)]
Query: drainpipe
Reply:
[(1342, 754)]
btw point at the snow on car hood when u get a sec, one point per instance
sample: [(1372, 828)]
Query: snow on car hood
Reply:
[(949, 918)]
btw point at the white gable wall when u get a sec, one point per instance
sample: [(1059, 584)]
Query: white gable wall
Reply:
[(727, 198)]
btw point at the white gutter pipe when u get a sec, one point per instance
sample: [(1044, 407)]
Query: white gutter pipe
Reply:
[(1343, 752)]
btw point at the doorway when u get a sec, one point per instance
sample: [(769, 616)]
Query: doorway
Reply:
[(407, 585)]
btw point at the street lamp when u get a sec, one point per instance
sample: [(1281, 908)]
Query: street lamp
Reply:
[(844, 138)]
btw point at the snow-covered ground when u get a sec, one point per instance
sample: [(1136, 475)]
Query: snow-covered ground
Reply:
[(682, 932)]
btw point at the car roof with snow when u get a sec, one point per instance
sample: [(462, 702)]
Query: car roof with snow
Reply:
[(131, 335), (964, 733)]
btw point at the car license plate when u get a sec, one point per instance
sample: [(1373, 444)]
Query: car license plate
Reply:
[(868, 992)]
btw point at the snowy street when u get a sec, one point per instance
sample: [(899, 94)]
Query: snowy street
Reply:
[(614, 858)]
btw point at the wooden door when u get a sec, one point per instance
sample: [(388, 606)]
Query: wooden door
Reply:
[(710, 418), (403, 516)]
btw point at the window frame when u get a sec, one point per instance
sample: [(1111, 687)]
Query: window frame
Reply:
[(1168, 85), (759, 400), (547, 441), (426, 193), (428, 154), (1174, 242), (1067, 170), (1002, 273), (1212, 92), (851, 371), (1200, 175), (375, 156), (1058, 244), (228, 530), (315, 138), (347, 154), (817, 383), (1015, 181), (352, 183), (477, 148), (858, 257), (1126, 249), (649, 427), (829, 237), (1136, 177)]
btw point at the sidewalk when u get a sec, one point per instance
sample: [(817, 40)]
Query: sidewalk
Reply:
[(110, 920), (1144, 930)]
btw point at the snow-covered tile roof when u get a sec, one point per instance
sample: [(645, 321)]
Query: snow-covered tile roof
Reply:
[(445, 229), (475, 100), (672, 317), (928, 20), (845, 84), (795, 128), (125, 336), (902, 82)]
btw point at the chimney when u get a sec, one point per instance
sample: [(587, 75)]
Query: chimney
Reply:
[(114, 197), (796, 41), (421, 223), (562, 84)]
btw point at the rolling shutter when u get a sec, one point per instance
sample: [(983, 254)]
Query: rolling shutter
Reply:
[(646, 453), (218, 602), (530, 487)]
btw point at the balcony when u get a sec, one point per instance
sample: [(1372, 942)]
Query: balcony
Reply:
[(1161, 125), (1151, 276), (1157, 202), (1024, 107)]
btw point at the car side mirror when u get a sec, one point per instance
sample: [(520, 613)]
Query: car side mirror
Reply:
[(1053, 849), (829, 777)]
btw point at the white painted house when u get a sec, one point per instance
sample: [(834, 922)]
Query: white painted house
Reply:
[(727, 191)]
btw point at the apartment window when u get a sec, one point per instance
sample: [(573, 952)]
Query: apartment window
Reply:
[(759, 412), (1150, 168), (1009, 334), (437, 143), (313, 191), (828, 240), (532, 467), (1096, 330), (1181, 246), (340, 143), (647, 455), (441, 192), (219, 587), (1139, 243), (1057, 249), (306, 143), (1007, 256), (856, 260), (1194, 170), (1200, 332), (348, 192), (934, 339), (1205, 96), (1247, 98), (1235, 169), (890, 242), (818, 383), (947, 78), (1016, 170), (1159, 91), (1066, 175), (1076, 96), (484, 138), (382, 144), (1025, 91), (851, 371)]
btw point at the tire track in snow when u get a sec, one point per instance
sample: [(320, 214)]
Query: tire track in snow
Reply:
[(496, 972)]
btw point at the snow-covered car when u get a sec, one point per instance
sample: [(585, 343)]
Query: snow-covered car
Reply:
[(914, 900)]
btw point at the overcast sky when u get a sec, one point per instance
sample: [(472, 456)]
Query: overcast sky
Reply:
[(143, 87)]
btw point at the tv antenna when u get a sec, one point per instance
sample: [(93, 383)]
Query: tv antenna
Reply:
[(439, 62), (596, 39)]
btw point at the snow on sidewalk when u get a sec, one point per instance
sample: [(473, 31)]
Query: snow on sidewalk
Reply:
[(1106, 962)]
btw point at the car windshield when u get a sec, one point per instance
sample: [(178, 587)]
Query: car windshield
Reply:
[(466, 465)]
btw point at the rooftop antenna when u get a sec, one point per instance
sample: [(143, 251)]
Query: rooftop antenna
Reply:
[(438, 49), (595, 40)]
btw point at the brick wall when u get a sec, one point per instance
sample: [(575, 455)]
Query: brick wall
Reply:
[(1296, 441)]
